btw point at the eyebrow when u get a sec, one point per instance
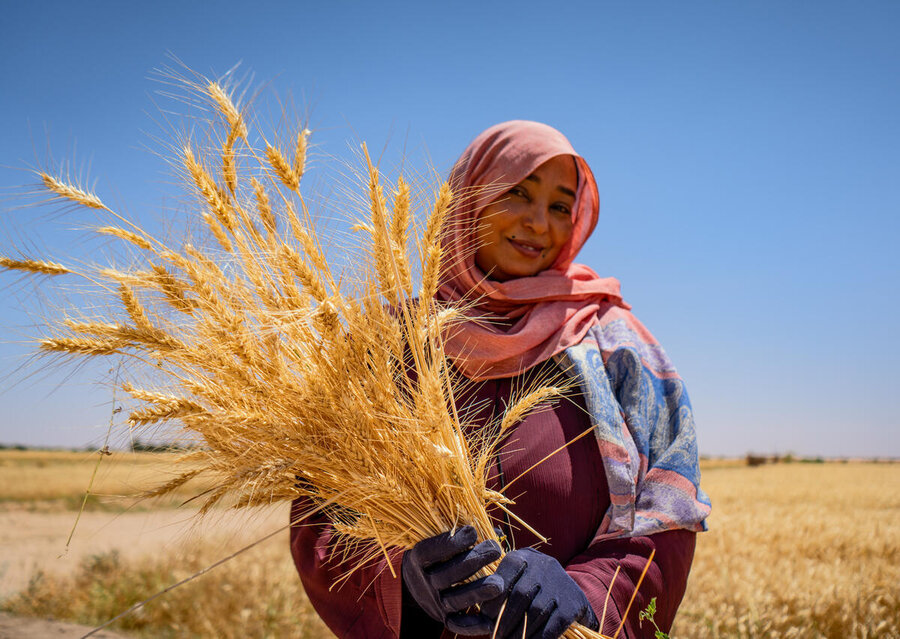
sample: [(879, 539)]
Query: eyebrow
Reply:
[(537, 180)]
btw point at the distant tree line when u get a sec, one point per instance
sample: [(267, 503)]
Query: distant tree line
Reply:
[(759, 460), (137, 446)]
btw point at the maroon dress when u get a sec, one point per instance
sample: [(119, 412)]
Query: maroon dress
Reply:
[(564, 499)]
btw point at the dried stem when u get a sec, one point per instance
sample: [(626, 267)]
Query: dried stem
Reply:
[(34, 266), (285, 368)]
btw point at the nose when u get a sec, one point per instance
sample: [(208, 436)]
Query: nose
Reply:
[(536, 218)]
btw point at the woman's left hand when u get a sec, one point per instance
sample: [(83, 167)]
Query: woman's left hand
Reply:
[(542, 600)]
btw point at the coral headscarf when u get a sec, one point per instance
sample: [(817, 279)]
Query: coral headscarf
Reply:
[(636, 401), (528, 319)]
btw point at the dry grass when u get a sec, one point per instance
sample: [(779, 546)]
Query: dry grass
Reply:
[(50, 480), (257, 594), (797, 550), (284, 369), (794, 550), (251, 348), (298, 380)]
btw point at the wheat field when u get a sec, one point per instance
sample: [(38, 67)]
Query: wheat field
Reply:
[(49, 480), (797, 550), (793, 550)]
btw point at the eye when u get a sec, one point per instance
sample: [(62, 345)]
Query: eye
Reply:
[(562, 209), (518, 191)]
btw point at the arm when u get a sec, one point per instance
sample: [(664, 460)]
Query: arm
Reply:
[(371, 602), (666, 579), (368, 604), (664, 507), (648, 463), (646, 431), (541, 598)]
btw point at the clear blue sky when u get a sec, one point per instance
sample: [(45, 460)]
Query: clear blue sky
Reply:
[(748, 158)]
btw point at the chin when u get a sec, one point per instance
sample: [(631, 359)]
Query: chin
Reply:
[(520, 273), (527, 270)]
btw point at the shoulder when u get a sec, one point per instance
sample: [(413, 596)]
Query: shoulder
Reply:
[(618, 330)]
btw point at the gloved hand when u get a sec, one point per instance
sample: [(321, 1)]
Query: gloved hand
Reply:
[(538, 592), (433, 569)]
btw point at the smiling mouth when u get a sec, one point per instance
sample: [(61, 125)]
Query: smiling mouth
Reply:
[(526, 248)]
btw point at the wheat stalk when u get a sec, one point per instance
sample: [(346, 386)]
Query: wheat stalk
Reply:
[(228, 109), (34, 266), (431, 243), (264, 207), (282, 169), (82, 345), (128, 236), (229, 165), (300, 153), (285, 369), (70, 192), (209, 190), (526, 404)]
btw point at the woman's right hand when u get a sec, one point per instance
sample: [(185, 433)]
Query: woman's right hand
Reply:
[(539, 597), (433, 570)]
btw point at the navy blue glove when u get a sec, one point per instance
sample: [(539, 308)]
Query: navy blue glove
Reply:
[(433, 569), (540, 597)]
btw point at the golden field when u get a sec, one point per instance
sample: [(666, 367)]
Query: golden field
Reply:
[(793, 550), (41, 479), (798, 550)]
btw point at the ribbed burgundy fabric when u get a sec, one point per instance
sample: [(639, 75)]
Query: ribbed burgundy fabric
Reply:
[(564, 498)]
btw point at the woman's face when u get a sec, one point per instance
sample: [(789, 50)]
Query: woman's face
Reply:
[(522, 232)]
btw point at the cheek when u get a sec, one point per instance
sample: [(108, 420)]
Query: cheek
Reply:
[(492, 222), (484, 231), (486, 239), (562, 232)]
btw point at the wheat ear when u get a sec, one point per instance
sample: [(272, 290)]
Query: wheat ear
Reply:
[(400, 222), (229, 164), (82, 345), (33, 266), (71, 192), (264, 208), (300, 153), (521, 408), (431, 244), (209, 190), (282, 169), (228, 109), (129, 236), (382, 251), (168, 487)]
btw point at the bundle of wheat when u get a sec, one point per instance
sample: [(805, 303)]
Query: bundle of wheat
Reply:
[(296, 384)]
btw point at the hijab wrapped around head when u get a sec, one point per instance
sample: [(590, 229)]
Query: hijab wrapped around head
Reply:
[(637, 403), (527, 319)]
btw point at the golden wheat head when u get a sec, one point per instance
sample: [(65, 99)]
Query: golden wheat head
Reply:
[(282, 367)]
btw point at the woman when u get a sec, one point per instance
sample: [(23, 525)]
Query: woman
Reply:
[(603, 501)]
